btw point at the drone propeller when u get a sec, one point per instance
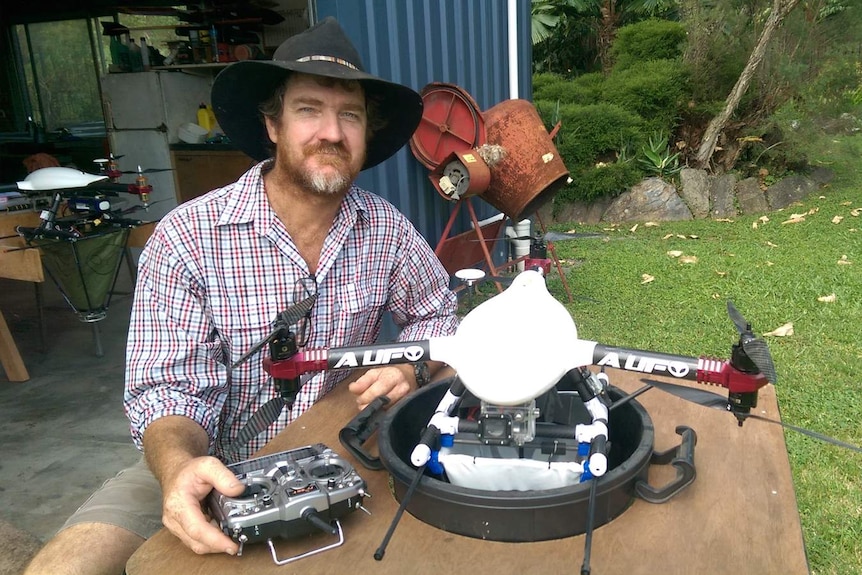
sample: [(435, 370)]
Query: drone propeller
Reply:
[(559, 236), (285, 319), (550, 237), (110, 159), (147, 171), (269, 411), (138, 208), (715, 401), (751, 353)]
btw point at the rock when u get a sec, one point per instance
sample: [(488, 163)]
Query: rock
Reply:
[(721, 196), (821, 176), (694, 189), (791, 189), (581, 212), (844, 124), (749, 196), (651, 199)]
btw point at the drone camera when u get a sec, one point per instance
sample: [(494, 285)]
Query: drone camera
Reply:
[(495, 429), (508, 425)]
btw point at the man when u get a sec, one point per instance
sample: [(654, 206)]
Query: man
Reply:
[(219, 269)]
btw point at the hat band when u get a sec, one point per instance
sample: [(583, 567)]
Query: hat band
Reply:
[(341, 61)]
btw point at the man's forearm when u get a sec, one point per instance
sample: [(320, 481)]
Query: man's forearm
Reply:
[(171, 441)]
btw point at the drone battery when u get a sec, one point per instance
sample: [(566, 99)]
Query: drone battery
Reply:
[(95, 204)]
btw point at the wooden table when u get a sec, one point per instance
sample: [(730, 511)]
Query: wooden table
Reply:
[(738, 517), (26, 265), (16, 264)]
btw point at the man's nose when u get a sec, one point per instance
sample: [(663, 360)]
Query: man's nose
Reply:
[(329, 128)]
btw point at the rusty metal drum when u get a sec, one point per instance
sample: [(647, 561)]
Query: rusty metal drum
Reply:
[(531, 171)]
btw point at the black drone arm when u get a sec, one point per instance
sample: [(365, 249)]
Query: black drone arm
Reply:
[(375, 355), (742, 382)]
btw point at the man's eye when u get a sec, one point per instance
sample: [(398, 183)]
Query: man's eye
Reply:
[(354, 116)]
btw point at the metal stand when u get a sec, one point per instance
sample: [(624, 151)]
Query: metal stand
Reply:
[(554, 257), (477, 229), (97, 340)]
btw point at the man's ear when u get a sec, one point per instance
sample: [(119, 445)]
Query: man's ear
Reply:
[(271, 128)]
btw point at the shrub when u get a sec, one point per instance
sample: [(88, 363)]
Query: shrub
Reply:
[(594, 182), (648, 40), (585, 89), (655, 90), (593, 133)]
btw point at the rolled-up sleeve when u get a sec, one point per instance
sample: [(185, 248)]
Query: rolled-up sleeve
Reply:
[(174, 363)]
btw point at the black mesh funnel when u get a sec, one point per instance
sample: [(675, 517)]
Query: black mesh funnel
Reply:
[(85, 269)]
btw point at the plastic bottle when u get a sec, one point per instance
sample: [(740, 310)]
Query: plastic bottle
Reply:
[(135, 58), (214, 42), (195, 42), (145, 54), (212, 119), (205, 119), (123, 62), (116, 54)]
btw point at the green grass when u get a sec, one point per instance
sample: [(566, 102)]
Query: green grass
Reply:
[(774, 274)]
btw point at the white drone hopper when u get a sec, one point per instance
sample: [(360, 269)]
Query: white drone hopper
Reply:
[(58, 178), (505, 356)]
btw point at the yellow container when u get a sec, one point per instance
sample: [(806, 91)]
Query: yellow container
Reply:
[(206, 118)]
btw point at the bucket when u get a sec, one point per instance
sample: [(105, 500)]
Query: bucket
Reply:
[(532, 170), (520, 516)]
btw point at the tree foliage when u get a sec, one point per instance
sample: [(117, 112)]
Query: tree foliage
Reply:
[(741, 68), (574, 36)]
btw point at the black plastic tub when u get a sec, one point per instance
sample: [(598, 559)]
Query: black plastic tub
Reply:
[(515, 515)]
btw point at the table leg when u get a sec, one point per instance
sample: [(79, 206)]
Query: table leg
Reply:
[(9, 355)]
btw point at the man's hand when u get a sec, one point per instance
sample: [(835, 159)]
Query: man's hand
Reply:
[(393, 381), (182, 513), (175, 448)]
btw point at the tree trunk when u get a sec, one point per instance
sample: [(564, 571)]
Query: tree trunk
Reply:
[(780, 9), (606, 32)]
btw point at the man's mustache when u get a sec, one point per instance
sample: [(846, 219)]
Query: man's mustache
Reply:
[(328, 149)]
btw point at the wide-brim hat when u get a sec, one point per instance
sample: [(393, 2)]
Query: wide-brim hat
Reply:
[(322, 50)]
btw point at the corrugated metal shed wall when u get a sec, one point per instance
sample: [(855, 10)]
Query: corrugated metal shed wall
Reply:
[(416, 42)]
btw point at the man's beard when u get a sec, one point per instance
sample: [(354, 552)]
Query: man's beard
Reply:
[(327, 183)]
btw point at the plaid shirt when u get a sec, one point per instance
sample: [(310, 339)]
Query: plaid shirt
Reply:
[(219, 268)]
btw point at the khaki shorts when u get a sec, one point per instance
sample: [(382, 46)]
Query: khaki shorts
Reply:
[(131, 500)]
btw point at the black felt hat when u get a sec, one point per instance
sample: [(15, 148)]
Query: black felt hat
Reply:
[(322, 50)]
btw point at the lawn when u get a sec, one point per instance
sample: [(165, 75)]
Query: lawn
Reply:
[(664, 286)]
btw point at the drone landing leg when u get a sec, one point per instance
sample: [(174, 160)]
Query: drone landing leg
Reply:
[(588, 537), (430, 436), (97, 339), (378, 554)]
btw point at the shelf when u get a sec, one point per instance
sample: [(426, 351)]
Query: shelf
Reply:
[(193, 66)]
